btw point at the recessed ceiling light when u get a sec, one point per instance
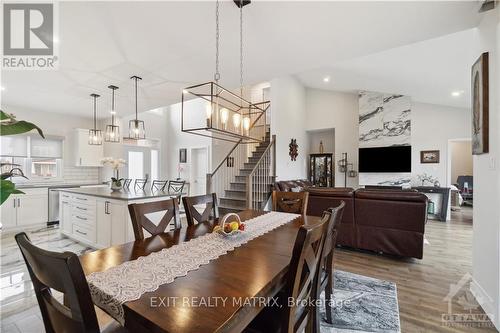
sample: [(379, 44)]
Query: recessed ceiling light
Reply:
[(457, 93), (2, 88), (55, 40), (326, 79)]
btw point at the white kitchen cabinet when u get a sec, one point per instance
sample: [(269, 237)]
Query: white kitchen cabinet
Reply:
[(85, 154), (96, 220), (32, 208), (9, 212), (21, 210), (65, 213)]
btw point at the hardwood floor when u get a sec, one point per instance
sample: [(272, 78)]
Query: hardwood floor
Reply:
[(423, 284)]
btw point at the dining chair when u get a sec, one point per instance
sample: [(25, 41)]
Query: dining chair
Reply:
[(175, 187), (159, 185), (290, 202), (192, 214), (61, 272), (326, 273), (140, 220), (140, 184), (300, 285), (126, 183)]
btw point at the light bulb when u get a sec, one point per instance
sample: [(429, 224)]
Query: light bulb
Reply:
[(224, 114), (236, 120), (208, 110), (136, 130), (246, 123), (112, 134)]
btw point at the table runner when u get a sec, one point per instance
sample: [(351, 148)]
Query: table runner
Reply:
[(129, 280)]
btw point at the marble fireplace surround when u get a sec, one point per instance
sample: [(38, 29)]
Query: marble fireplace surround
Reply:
[(384, 121)]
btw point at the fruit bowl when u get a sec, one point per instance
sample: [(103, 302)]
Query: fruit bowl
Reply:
[(230, 229)]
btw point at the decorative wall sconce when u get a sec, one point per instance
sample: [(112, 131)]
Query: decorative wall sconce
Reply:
[(294, 149)]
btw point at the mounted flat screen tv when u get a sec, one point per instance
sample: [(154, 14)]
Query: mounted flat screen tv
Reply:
[(385, 159)]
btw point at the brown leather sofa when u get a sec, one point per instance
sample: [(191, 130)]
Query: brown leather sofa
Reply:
[(288, 185), (388, 221), (325, 198)]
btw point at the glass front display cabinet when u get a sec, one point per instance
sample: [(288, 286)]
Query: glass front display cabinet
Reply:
[(321, 170)]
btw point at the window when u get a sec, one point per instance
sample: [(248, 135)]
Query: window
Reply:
[(38, 158), (135, 165), (154, 164)]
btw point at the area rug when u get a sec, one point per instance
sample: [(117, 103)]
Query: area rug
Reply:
[(362, 304)]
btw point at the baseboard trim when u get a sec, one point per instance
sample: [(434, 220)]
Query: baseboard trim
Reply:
[(485, 301)]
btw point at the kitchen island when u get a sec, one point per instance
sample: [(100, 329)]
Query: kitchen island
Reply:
[(98, 216)]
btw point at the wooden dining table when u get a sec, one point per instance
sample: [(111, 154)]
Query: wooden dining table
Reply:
[(256, 269)]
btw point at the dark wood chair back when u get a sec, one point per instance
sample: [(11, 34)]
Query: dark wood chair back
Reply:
[(290, 202), (140, 221), (126, 183), (335, 219), (175, 187), (62, 272), (159, 185), (302, 275), (325, 276), (211, 208), (140, 184)]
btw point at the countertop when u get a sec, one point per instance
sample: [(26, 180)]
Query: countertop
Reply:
[(55, 185), (127, 195)]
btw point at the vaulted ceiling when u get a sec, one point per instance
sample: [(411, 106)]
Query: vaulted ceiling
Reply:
[(171, 45)]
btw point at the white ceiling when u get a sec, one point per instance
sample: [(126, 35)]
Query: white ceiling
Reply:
[(428, 71), (171, 45)]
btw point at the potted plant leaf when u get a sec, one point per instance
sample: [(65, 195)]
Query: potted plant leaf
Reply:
[(10, 126)]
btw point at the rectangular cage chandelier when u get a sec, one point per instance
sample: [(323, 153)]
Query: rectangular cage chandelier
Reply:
[(210, 110)]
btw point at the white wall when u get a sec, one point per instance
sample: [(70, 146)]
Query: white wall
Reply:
[(432, 127), (485, 248), (177, 139), (461, 159), (338, 110), (288, 116)]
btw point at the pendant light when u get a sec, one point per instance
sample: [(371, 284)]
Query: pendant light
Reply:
[(136, 129), (112, 133), (225, 115), (95, 135)]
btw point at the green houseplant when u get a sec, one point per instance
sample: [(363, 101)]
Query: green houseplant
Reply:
[(10, 126)]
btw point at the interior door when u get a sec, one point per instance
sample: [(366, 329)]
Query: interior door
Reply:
[(199, 170)]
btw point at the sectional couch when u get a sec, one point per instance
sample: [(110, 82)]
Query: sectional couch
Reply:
[(388, 221)]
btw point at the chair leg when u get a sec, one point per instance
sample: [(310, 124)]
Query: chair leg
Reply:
[(329, 288)]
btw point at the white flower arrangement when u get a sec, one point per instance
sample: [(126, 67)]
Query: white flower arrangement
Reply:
[(115, 164)]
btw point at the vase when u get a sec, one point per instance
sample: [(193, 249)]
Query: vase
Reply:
[(321, 148), (116, 186)]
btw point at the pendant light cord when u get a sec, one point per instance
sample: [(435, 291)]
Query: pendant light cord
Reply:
[(241, 48), (113, 107), (95, 112), (217, 38), (136, 116)]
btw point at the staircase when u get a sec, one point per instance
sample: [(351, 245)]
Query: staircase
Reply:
[(245, 177)]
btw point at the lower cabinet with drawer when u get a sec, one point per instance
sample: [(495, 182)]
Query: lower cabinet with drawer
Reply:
[(95, 221)]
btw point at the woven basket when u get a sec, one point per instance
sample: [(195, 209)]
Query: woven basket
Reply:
[(222, 223)]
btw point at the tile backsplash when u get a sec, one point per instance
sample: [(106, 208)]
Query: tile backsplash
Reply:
[(80, 175)]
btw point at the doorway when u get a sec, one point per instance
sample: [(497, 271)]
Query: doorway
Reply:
[(199, 170), (142, 162), (460, 173)]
